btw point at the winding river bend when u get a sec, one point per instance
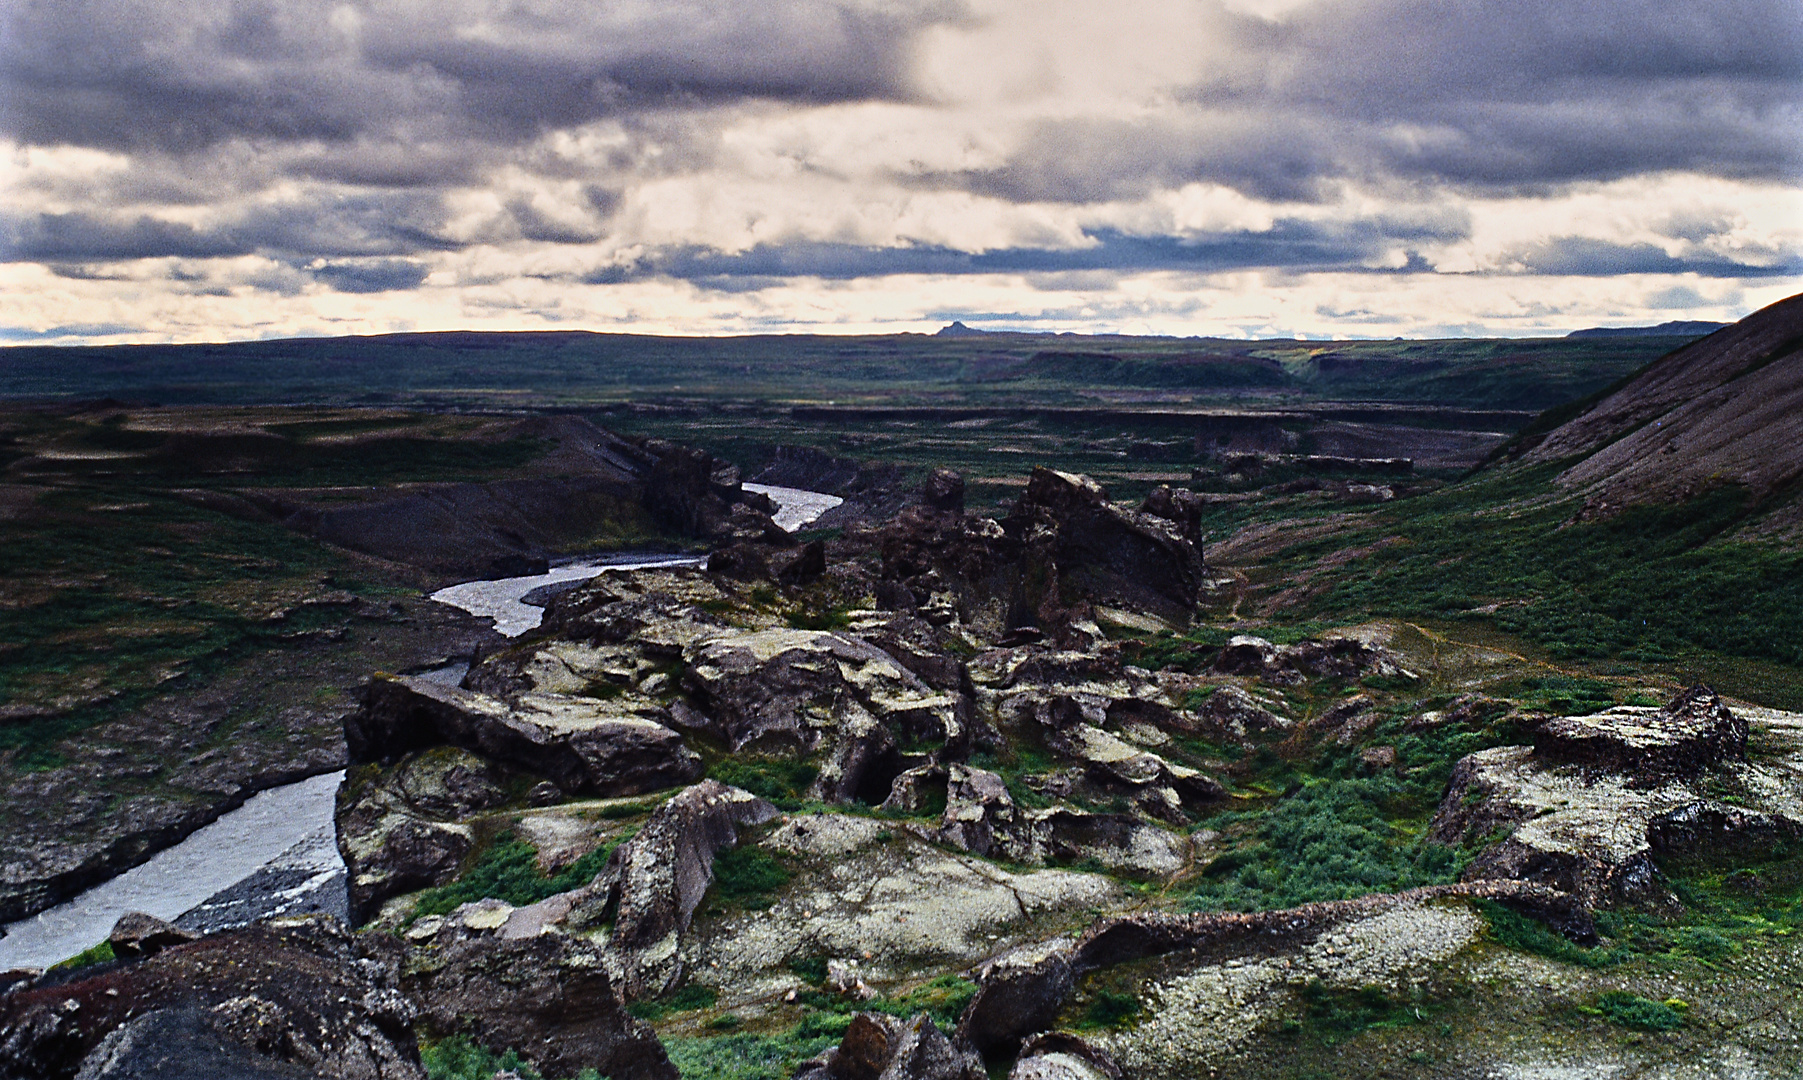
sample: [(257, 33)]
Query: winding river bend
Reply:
[(278, 854)]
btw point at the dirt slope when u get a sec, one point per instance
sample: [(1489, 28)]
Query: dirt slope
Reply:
[(1726, 409)]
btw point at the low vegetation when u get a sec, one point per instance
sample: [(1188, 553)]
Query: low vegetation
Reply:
[(508, 870)]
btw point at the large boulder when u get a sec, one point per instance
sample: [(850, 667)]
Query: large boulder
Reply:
[(881, 1047), (1019, 994), (1694, 733), (654, 882), (1334, 655), (582, 744), (389, 845), (300, 993), (1079, 545), (546, 995), (1060, 1055), (784, 690), (136, 935)]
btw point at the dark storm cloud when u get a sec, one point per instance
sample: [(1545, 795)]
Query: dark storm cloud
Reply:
[(380, 275), (1471, 92), (1580, 256), (395, 224), (1293, 245), (183, 75), (398, 101)]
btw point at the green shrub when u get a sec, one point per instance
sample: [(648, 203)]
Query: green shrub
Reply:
[(1329, 840), (88, 957), (686, 999), (457, 1058), (784, 783), (509, 871), (1111, 1009), (1631, 1010), (745, 1056), (747, 877)]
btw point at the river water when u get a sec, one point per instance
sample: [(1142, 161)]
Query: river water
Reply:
[(278, 854)]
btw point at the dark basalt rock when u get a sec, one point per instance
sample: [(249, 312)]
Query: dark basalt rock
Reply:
[(943, 491), (980, 815), (137, 935), (305, 992), (1231, 711), (1019, 993), (547, 996), (1076, 542), (1716, 831), (881, 1047), (582, 745), (1181, 507), (1285, 665), (654, 882), (181, 1044), (1694, 733), (388, 849), (782, 690)]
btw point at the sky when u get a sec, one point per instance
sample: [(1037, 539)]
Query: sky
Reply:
[(206, 170)]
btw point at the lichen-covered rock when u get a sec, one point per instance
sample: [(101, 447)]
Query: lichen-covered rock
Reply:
[(654, 882), (1696, 732), (1576, 831), (1019, 994), (882, 893), (545, 995), (1232, 712), (390, 848), (1060, 1055), (303, 992), (1588, 806), (1713, 831), (785, 690), (1335, 655), (613, 747), (881, 1047), (980, 815)]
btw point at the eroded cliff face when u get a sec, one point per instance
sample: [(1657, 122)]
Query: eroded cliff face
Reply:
[(936, 798)]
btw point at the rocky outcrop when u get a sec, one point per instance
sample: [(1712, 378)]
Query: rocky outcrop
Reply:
[(546, 995), (137, 935), (1285, 665), (1060, 1055), (654, 882), (1586, 809), (943, 491), (1076, 544), (786, 690), (388, 845), (1019, 994), (881, 1047), (304, 996), (1716, 832), (1695, 733), (583, 745)]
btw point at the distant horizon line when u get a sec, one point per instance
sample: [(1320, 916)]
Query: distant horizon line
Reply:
[(968, 332)]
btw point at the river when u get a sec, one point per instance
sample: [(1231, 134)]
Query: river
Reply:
[(277, 854)]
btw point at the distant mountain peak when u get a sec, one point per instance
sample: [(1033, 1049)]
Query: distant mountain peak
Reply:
[(1665, 329), (958, 329)]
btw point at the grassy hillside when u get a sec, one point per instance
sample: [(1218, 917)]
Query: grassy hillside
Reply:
[(540, 369)]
